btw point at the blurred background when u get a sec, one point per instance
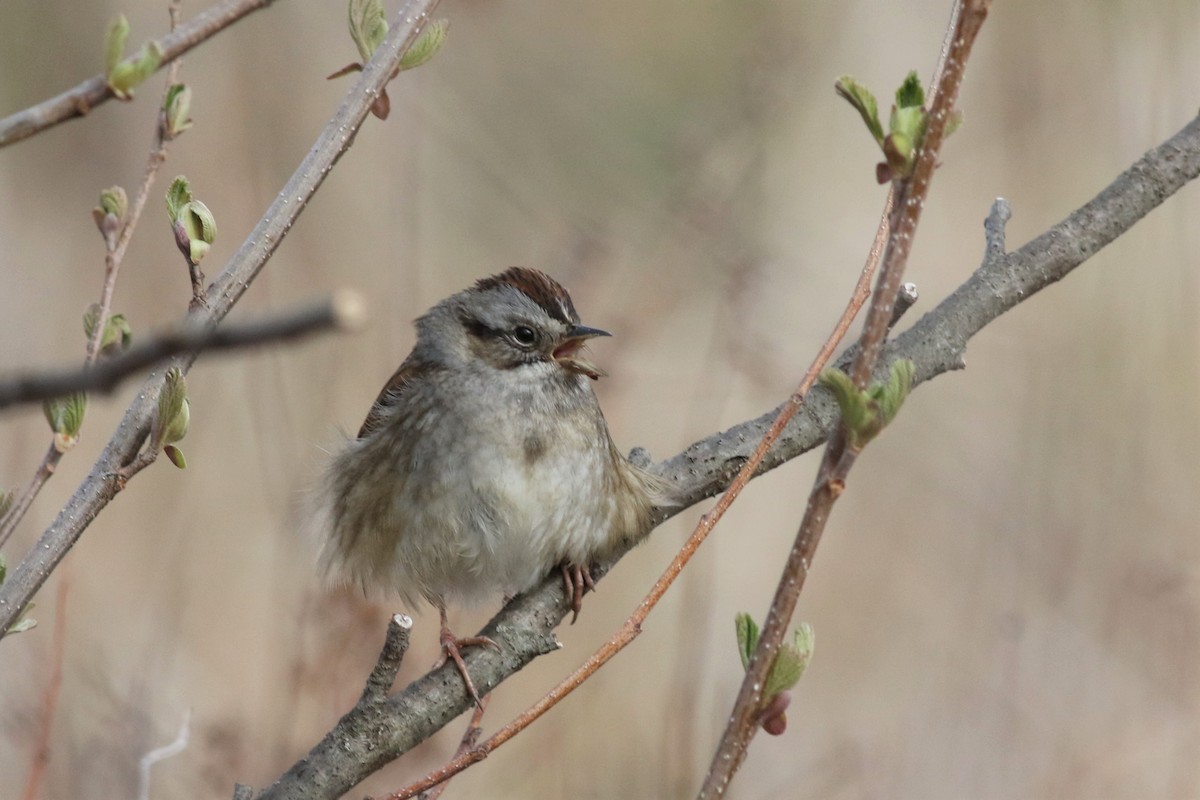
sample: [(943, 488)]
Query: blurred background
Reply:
[(1007, 600)]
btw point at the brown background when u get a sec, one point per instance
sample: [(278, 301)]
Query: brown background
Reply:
[(1006, 603)]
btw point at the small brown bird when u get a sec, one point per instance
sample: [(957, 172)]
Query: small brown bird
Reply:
[(485, 461)]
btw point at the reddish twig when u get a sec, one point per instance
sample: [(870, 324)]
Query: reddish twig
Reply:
[(910, 198), (41, 752), (470, 737)]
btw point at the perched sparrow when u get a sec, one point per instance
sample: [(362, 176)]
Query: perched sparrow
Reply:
[(485, 461)]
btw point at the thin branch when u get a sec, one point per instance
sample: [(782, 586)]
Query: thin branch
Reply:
[(395, 645), (343, 310), (467, 744), (114, 254), (83, 98), (104, 481), (746, 715)]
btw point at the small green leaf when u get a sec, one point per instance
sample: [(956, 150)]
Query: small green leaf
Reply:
[(175, 455), (118, 333), (910, 94), (427, 44), (177, 110), (114, 43), (198, 221), (3, 560), (174, 415), (890, 396), (863, 101), (130, 73), (368, 26), (790, 663), (113, 200), (857, 415), (178, 195), (6, 501), (747, 637), (65, 416)]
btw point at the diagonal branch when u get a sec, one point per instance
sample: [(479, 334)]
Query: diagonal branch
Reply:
[(81, 99), (370, 736), (103, 482)]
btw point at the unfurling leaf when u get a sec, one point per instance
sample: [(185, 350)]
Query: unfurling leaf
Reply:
[(865, 413), (175, 455), (114, 42), (174, 415), (118, 333), (65, 415), (368, 26), (110, 214), (177, 196), (192, 223), (910, 94), (747, 637), (790, 662), (863, 101), (177, 110), (130, 73), (427, 44)]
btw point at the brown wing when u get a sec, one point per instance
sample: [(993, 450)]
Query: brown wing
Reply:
[(390, 395)]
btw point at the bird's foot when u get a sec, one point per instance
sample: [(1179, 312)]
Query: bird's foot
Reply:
[(452, 649), (577, 579)]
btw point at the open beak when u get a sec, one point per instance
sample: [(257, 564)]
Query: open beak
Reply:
[(568, 353)]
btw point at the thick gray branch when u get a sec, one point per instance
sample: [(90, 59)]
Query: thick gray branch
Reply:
[(80, 100), (103, 483), (372, 734)]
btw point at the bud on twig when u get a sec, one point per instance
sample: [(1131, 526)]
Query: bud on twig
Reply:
[(174, 416), (110, 214), (177, 109), (124, 76), (193, 224), (65, 415)]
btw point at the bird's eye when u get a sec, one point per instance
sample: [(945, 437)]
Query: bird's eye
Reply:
[(524, 336)]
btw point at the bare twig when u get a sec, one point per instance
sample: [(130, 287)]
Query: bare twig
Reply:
[(745, 717), (395, 645), (104, 481), (83, 98), (470, 737), (343, 311), (41, 750)]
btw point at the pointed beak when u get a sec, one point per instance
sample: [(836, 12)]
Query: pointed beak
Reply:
[(568, 353)]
